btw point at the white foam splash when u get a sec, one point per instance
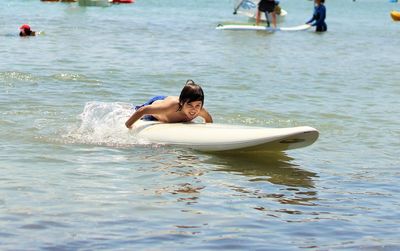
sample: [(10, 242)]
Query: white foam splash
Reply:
[(103, 124)]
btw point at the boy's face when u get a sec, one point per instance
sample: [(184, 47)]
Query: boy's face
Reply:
[(192, 109)]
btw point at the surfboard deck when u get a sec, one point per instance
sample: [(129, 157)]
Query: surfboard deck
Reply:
[(252, 26), (212, 137)]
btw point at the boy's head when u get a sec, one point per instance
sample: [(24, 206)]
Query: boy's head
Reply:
[(191, 92), (191, 100)]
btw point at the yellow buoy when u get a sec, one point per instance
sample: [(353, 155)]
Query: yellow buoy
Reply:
[(395, 15)]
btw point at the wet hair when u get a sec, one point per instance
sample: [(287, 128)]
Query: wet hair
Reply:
[(191, 92)]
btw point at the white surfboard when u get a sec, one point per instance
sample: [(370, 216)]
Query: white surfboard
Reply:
[(212, 137), (250, 26)]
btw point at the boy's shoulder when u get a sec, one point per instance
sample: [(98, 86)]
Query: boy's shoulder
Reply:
[(172, 99), (168, 102)]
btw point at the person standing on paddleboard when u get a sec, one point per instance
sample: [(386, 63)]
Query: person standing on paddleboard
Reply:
[(319, 16), (266, 6), (173, 109)]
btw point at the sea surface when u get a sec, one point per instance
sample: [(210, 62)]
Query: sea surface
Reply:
[(72, 177)]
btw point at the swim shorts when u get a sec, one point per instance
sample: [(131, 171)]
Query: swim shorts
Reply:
[(151, 101), (266, 6)]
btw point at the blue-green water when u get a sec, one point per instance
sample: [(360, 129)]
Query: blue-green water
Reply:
[(75, 180)]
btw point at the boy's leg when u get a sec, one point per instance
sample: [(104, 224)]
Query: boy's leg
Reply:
[(258, 17), (273, 19)]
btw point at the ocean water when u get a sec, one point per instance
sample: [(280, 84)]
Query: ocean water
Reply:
[(73, 178)]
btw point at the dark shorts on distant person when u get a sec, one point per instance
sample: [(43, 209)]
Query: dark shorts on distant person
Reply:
[(151, 101), (266, 6)]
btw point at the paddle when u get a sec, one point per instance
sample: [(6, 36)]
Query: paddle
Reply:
[(237, 7)]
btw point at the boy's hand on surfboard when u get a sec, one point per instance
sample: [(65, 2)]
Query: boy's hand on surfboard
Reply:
[(132, 127)]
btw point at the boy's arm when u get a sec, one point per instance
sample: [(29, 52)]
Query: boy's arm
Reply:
[(135, 116), (149, 109), (312, 18), (204, 114)]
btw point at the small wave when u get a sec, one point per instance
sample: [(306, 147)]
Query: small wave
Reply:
[(13, 75), (72, 77), (103, 124)]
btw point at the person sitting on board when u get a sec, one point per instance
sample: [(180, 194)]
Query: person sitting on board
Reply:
[(266, 6), (319, 16), (173, 109), (25, 30)]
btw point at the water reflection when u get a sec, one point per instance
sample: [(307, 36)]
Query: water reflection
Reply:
[(296, 185), (265, 177), (276, 168)]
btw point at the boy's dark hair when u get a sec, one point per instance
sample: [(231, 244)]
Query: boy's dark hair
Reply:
[(191, 92)]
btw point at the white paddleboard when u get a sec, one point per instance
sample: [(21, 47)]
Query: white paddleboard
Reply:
[(249, 26), (212, 137)]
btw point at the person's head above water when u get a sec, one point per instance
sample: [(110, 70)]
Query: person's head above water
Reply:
[(25, 30), (191, 92)]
